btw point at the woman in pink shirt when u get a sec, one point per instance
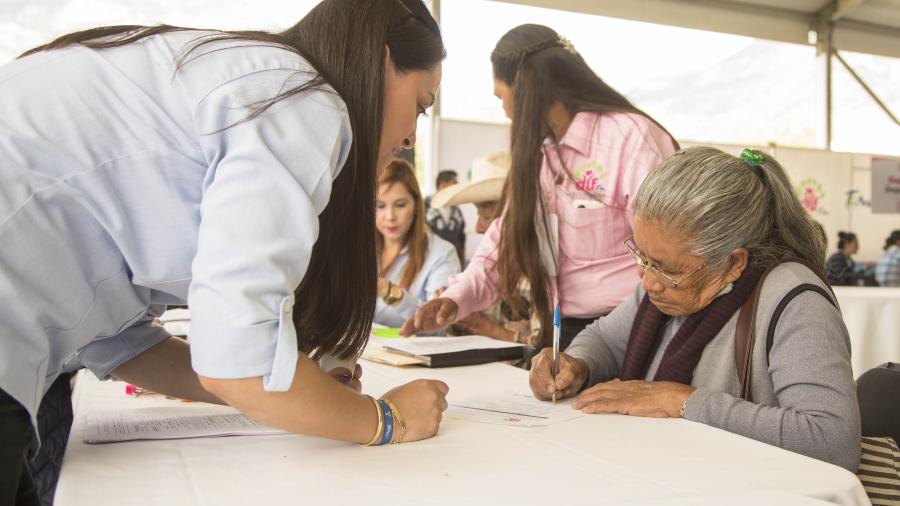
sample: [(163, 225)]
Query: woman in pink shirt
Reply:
[(580, 150)]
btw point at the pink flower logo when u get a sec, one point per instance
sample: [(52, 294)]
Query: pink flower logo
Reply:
[(810, 200), (589, 181)]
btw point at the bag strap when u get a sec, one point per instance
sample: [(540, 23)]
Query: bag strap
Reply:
[(745, 336), (745, 333)]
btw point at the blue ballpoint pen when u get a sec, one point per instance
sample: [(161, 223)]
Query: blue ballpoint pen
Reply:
[(554, 366)]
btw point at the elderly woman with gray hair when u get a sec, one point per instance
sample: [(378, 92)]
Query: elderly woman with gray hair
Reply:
[(714, 233)]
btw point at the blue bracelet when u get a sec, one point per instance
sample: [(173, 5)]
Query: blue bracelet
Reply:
[(388, 423)]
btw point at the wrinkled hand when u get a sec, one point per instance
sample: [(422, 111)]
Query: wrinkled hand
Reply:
[(471, 324), (421, 403), (658, 399), (573, 374), (434, 314), (343, 375)]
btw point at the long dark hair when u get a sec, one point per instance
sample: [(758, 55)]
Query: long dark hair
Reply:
[(344, 41), (401, 172), (542, 69)]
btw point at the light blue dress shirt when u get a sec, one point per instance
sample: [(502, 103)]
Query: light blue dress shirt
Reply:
[(126, 185), (441, 262)]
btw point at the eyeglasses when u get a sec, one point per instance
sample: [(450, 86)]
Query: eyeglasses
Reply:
[(645, 264)]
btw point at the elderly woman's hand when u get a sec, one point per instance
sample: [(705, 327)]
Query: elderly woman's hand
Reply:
[(640, 398), (573, 373)]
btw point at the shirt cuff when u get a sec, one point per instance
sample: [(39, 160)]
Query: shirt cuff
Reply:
[(267, 349), (695, 403)]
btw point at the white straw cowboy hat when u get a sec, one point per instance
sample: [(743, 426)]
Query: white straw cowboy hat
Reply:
[(485, 183)]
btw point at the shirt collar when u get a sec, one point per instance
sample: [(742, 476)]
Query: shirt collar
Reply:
[(578, 136)]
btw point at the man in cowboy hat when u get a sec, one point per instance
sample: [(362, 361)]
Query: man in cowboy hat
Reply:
[(447, 222), (483, 189)]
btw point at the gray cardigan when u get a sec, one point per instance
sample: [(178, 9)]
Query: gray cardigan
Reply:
[(803, 393)]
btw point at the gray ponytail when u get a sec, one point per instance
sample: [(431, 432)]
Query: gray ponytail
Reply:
[(720, 203)]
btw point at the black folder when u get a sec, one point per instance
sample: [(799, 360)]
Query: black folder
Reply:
[(466, 357)]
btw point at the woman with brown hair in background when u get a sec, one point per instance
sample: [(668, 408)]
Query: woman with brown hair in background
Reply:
[(413, 262)]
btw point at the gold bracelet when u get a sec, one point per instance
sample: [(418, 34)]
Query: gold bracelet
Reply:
[(399, 423), (683, 406), (379, 432)]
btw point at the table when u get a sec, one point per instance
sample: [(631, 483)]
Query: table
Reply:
[(872, 316), (597, 459)]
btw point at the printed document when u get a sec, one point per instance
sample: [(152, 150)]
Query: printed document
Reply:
[(175, 422)]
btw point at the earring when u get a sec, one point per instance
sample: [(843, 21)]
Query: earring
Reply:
[(407, 143)]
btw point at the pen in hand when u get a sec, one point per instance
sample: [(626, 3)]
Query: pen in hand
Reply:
[(554, 365)]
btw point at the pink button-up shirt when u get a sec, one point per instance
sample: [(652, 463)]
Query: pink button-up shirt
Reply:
[(608, 157)]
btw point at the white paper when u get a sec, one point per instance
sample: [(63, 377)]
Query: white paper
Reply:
[(433, 345), (170, 423), (383, 356), (515, 409)]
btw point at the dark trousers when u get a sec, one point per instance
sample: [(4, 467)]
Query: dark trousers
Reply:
[(570, 328), (16, 485)]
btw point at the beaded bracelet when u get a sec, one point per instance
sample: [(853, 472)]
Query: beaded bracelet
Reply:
[(400, 432), (379, 432), (388, 423)]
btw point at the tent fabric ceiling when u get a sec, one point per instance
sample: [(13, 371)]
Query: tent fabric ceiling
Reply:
[(864, 26)]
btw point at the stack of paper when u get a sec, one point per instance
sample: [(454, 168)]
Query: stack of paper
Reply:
[(173, 422)]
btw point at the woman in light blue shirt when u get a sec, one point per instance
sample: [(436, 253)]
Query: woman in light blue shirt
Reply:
[(234, 172), (413, 262)]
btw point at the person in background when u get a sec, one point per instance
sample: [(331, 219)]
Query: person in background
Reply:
[(707, 227), (887, 270), (447, 221), (580, 150), (413, 263), (484, 188), (840, 266), (117, 140)]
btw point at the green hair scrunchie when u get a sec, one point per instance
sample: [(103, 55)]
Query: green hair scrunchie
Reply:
[(753, 158)]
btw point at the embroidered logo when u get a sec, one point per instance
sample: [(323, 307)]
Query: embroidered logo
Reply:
[(589, 178)]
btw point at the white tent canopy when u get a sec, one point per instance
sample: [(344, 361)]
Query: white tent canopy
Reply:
[(864, 26)]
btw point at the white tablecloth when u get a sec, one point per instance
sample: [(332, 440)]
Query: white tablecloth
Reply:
[(872, 315), (598, 459)]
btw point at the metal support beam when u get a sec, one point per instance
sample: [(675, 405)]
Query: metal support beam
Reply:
[(871, 93), (435, 116), (842, 7), (824, 28)]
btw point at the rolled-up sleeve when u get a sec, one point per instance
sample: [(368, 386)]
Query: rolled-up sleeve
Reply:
[(102, 356), (270, 178)]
